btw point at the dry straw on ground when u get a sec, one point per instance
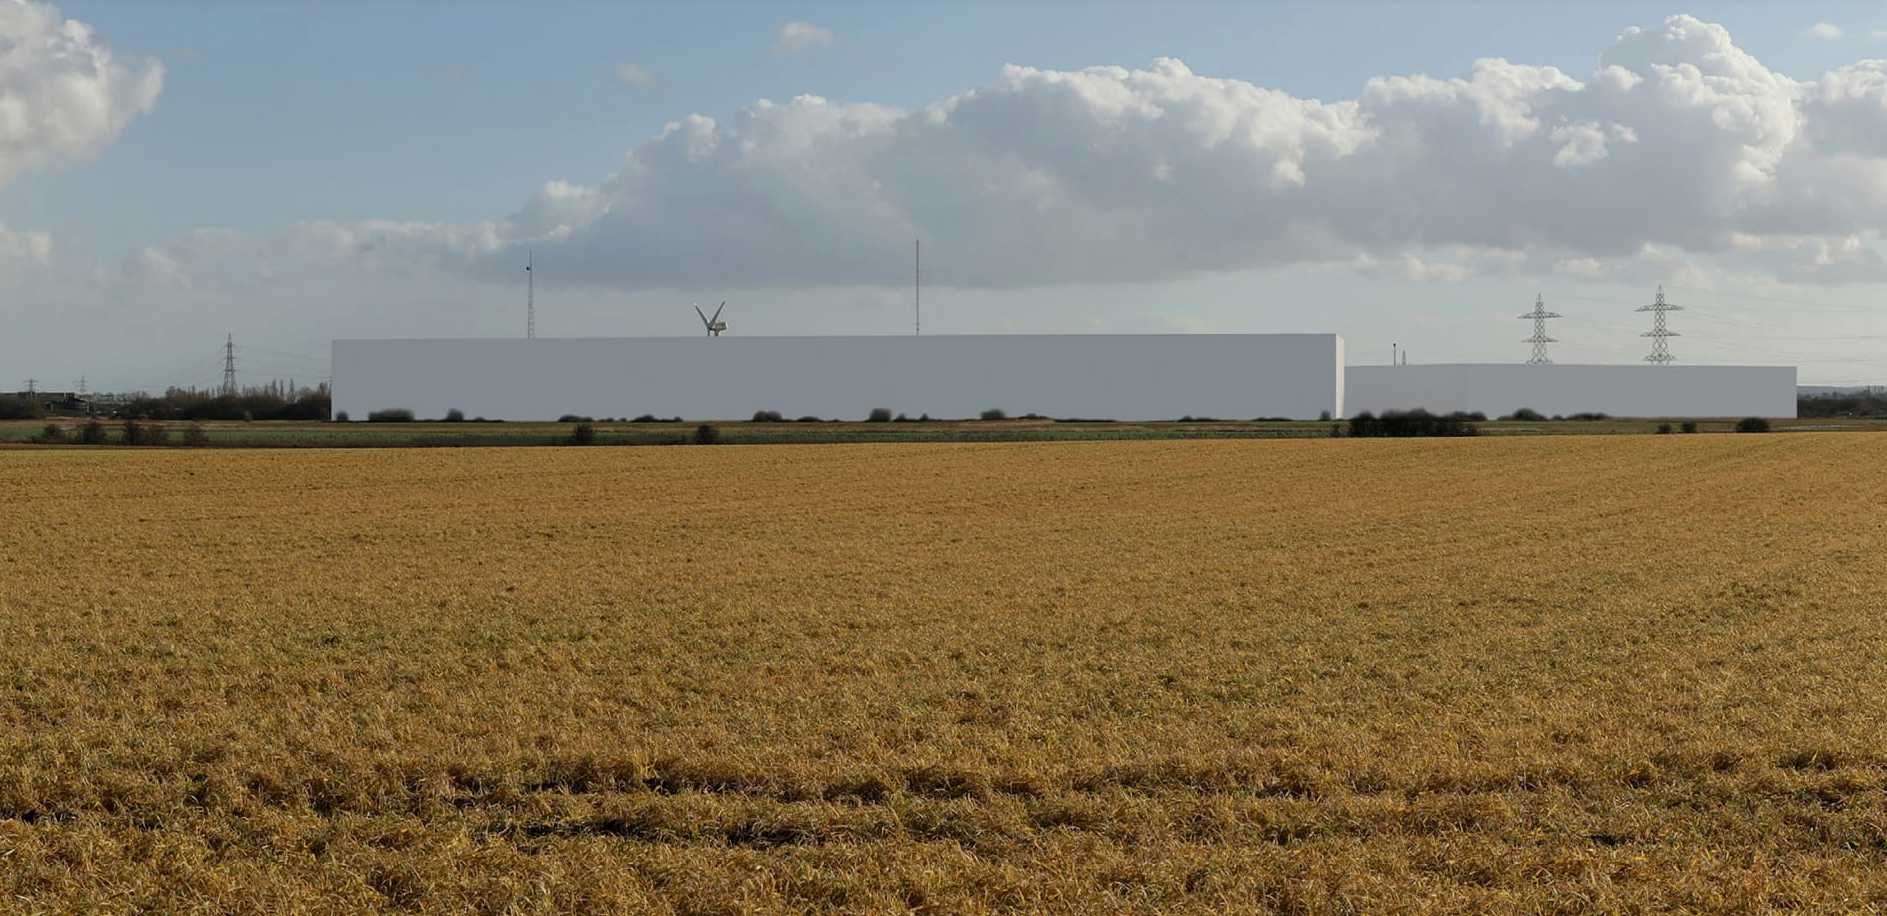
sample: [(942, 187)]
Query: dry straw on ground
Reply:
[(1553, 674)]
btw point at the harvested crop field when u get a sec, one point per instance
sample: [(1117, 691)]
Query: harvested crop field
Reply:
[(1525, 674)]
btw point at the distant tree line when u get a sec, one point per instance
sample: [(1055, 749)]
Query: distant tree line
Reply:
[(270, 403), (12, 408), (1869, 403)]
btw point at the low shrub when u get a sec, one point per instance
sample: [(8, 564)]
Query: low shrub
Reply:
[(1664, 429), (706, 435), (454, 415), (1192, 419), (1689, 426), (583, 434), (901, 418), (195, 437), (390, 415), (768, 416), (341, 417), (879, 415), (1410, 423), (92, 433), (142, 432), (1323, 416), (1589, 417), (810, 419), (1527, 414), (993, 414), (1752, 425), (52, 433), (575, 418)]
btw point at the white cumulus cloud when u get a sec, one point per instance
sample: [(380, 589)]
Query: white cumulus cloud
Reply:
[(1676, 140), (802, 36), (1824, 31), (1677, 137), (637, 77), (63, 95)]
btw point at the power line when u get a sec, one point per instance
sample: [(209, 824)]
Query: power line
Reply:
[(1798, 303), (285, 354)]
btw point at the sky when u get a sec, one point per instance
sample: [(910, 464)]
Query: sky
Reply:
[(1407, 174)]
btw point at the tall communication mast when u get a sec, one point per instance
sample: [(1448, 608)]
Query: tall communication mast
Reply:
[(1539, 340), (1659, 333), (530, 299)]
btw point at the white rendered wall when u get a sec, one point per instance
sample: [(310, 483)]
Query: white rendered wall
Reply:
[(1137, 377), (1622, 391)]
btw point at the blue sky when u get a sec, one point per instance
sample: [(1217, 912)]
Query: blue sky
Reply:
[(273, 116)]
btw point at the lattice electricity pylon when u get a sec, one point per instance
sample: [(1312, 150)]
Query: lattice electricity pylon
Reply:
[(1539, 340), (1659, 333), (229, 366)]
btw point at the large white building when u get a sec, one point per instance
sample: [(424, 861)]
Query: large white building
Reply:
[(1622, 391), (1124, 377), (1100, 376)]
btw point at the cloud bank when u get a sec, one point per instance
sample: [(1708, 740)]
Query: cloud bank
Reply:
[(1677, 143), (1677, 138)]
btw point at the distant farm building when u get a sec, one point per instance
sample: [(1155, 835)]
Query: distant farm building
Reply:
[(69, 403)]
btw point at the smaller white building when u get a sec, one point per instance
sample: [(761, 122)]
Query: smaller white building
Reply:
[(1497, 389)]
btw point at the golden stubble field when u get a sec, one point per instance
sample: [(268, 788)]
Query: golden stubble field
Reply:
[(1548, 674)]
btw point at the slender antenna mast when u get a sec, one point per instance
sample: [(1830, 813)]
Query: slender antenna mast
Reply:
[(1659, 333), (917, 288), (530, 298), (229, 366), (1539, 340)]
